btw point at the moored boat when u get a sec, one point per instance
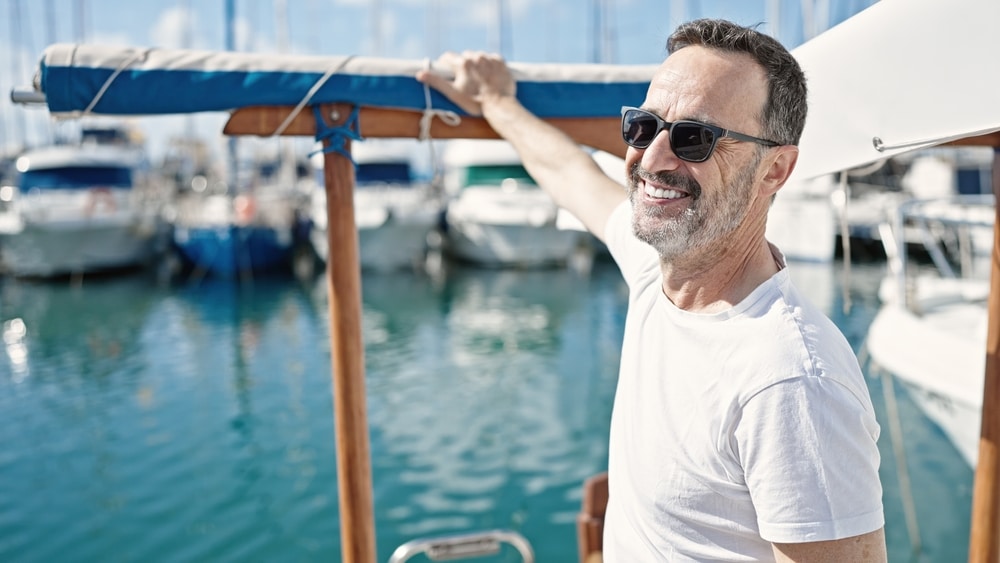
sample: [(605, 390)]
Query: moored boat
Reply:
[(396, 214), (238, 236), (75, 209), (931, 328), (497, 216)]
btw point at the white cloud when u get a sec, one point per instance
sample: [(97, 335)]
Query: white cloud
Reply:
[(484, 12), (247, 38), (174, 29)]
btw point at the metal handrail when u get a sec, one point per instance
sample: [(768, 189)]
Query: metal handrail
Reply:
[(479, 544), (919, 213)]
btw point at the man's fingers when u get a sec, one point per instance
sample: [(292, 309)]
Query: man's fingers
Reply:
[(450, 59), (447, 87), (475, 73)]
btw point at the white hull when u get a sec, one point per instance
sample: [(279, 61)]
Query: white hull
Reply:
[(394, 226), (930, 332), (507, 226), (395, 246), (76, 209), (76, 247), (802, 221), (804, 228), (512, 245), (940, 357)]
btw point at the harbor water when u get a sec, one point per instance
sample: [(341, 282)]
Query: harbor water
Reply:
[(193, 422)]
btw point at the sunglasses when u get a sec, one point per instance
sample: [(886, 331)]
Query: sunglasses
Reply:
[(691, 141)]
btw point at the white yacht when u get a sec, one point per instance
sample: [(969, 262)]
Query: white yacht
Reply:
[(74, 209), (396, 214), (930, 332), (497, 216)]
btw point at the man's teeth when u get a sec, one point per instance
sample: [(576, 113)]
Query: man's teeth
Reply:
[(663, 194)]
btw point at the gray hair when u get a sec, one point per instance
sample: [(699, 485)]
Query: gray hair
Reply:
[(784, 113)]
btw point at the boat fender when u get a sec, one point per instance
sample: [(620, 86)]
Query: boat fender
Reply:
[(99, 198), (245, 208)]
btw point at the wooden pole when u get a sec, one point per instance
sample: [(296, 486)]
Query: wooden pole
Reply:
[(350, 413), (984, 539)]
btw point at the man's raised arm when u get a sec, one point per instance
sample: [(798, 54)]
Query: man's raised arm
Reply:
[(483, 85)]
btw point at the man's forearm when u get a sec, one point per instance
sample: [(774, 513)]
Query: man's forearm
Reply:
[(558, 163)]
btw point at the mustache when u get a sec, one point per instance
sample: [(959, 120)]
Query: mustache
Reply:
[(668, 178)]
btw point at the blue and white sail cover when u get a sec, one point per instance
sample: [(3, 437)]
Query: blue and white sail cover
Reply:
[(114, 80)]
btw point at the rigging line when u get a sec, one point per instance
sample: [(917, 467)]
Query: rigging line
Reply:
[(309, 95), (448, 117), (141, 55), (899, 453)]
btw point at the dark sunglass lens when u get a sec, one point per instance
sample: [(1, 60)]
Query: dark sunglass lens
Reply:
[(638, 128), (692, 141)]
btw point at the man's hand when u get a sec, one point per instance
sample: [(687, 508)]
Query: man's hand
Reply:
[(479, 79), (484, 85)]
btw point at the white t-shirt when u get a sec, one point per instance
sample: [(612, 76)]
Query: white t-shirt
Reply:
[(735, 429)]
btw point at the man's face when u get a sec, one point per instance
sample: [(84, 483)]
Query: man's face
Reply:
[(678, 206)]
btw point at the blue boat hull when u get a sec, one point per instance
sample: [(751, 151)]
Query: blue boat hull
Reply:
[(233, 251)]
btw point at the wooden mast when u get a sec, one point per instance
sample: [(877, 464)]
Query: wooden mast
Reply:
[(984, 536), (347, 363)]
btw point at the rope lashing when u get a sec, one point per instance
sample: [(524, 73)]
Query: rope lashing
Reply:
[(309, 96), (337, 135), (447, 116)]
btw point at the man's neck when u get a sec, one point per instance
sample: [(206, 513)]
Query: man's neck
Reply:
[(719, 282)]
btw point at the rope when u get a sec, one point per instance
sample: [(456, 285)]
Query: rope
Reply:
[(309, 95), (449, 118), (337, 135), (107, 83)]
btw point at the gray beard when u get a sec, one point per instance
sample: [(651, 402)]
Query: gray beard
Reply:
[(702, 224)]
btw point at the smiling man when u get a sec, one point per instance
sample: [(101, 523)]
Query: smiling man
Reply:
[(742, 427)]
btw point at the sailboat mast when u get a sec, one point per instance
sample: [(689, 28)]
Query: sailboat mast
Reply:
[(677, 12), (376, 27), (15, 72), (81, 23), (500, 39), (286, 156), (984, 533), (774, 18), (230, 19), (434, 29), (602, 33)]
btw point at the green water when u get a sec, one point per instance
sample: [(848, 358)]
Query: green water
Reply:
[(194, 423)]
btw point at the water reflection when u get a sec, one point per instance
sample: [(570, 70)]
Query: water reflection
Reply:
[(14, 333), (94, 324), (195, 423), (483, 392)]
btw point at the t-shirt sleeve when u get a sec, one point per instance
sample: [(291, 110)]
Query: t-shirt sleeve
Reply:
[(808, 449)]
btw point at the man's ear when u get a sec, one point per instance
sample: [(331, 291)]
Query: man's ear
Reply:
[(779, 165)]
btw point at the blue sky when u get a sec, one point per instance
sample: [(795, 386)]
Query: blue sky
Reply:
[(627, 31)]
